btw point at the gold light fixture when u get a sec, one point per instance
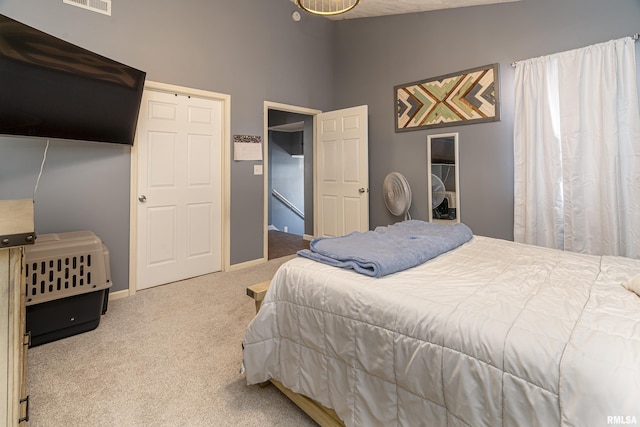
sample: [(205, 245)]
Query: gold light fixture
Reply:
[(327, 7)]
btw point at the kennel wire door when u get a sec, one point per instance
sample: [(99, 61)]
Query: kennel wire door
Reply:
[(66, 264)]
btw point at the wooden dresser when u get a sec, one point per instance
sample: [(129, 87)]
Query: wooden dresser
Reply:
[(16, 231)]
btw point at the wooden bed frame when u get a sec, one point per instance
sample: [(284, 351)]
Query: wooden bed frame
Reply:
[(324, 416)]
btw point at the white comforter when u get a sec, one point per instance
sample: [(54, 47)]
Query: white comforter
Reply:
[(493, 333)]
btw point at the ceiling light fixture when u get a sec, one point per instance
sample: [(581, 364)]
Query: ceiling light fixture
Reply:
[(327, 7)]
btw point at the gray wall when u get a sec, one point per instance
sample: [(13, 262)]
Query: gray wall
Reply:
[(249, 49), (84, 186), (373, 55)]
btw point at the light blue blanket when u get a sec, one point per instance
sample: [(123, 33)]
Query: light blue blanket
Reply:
[(388, 249)]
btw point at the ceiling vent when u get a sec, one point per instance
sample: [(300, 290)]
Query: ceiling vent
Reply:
[(100, 6)]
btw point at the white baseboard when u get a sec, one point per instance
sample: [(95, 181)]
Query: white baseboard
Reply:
[(308, 237), (246, 264), (118, 294)]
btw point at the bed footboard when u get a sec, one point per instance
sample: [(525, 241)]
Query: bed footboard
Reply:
[(324, 416), (257, 292)]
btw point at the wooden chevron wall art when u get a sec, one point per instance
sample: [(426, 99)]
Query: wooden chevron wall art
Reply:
[(465, 97)]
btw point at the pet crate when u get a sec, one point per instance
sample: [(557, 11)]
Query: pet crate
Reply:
[(67, 285)]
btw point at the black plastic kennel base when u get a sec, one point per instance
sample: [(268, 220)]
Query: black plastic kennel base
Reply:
[(62, 318), (67, 285)]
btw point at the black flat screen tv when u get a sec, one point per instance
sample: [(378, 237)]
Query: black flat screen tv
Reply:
[(54, 89)]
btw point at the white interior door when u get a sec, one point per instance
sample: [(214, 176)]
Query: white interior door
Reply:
[(342, 199), (179, 233)]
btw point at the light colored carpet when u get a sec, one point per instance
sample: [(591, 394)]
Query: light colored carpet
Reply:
[(168, 356)]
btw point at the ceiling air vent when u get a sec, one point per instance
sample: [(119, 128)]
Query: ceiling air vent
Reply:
[(100, 6)]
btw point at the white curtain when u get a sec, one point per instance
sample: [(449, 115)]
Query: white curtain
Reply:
[(577, 151)]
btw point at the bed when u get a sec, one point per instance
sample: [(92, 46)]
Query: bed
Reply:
[(491, 333)]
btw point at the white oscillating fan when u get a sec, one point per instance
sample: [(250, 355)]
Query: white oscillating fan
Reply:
[(397, 194), (438, 191)]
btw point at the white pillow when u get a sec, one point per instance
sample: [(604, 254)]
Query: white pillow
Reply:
[(633, 284)]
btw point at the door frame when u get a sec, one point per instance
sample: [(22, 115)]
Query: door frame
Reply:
[(268, 105), (226, 181)]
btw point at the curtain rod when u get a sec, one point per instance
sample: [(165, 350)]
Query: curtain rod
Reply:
[(635, 37)]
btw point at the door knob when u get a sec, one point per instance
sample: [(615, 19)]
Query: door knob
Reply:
[(362, 190), (142, 198)]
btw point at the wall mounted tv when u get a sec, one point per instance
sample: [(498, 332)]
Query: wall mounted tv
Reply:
[(52, 88)]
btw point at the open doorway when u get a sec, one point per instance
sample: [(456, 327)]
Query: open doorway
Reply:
[(335, 146), (289, 180)]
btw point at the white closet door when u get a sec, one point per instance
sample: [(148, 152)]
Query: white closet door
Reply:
[(179, 188)]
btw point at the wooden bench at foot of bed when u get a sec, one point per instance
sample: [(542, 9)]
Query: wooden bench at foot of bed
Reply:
[(325, 417)]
